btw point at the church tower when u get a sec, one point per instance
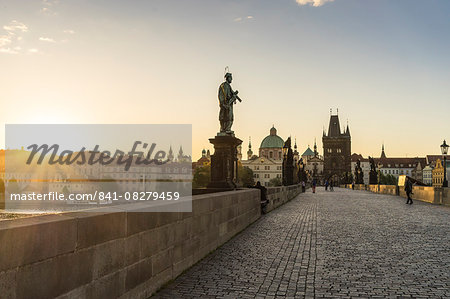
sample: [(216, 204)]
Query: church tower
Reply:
[(249, 152), (336, 150)]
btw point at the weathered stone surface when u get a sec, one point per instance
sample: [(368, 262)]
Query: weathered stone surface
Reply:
[(28, 240), (96, 228), (8, 284), (55, 276), (138, 273), (141, 221), (110, 286), (162, 261), (132, 249), (108, 257)]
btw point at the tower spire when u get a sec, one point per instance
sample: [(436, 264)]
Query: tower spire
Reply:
[(383, 154), (315, 147), (249, 152)]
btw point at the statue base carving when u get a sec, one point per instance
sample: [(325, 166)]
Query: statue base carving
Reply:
[(373, 178), (228, 133), (223, 161)]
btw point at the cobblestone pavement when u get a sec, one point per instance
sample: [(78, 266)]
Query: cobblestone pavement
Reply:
[(330, 244)]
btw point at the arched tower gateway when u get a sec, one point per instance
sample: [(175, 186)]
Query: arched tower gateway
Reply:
[(336, 151)]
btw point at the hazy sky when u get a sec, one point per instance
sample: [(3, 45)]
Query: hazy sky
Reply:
[(384, 64)]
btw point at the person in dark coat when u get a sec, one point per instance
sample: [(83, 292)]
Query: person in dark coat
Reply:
[(264, 200), (314, 183), (408, 190)]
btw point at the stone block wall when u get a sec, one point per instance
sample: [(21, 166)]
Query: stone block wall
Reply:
[(109, 254), (278, 196), (423, 193)]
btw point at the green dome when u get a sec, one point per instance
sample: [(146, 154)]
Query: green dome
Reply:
[(308, 152), (273, 140)]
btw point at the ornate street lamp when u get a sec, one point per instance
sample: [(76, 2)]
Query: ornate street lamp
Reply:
[(444, 150)]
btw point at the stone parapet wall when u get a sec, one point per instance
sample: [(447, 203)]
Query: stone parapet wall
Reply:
[(423, 193), (109, 253), (278, 196)]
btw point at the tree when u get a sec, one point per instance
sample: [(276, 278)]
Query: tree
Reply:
[(387, 179), (13, 186), (202, 176), (275, 182), (245, 176), (2, 186), (65, 190)]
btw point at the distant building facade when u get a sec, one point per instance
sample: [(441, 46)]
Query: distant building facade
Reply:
[(313, 164), (336, 151), (268, 165), (412, 167), (438, 174), (427, 175), (203, 161)]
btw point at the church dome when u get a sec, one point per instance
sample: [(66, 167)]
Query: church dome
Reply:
[(273, 140)]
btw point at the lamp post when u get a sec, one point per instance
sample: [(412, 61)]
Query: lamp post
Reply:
[(444, 150)]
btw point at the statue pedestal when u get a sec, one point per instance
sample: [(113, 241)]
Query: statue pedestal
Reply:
[(373, 178), (223, 162)]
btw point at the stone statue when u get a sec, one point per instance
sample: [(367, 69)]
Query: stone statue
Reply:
[(372, 164), (287, 173), (227, 97), (359, 175), (373, 175)]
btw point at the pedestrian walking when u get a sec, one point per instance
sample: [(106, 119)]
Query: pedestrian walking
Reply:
[(314, 183), (331, 185), (326, 185), (408, 190), (303, 186)]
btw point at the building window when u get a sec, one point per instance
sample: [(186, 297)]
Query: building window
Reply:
[(270, 155)]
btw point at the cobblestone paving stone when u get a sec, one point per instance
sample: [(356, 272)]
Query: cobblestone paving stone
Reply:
[(347, 244)]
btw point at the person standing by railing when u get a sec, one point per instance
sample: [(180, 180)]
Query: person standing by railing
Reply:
[(408, 190)]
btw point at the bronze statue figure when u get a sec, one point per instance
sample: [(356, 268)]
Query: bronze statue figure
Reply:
[(373, 174), (227, 97), (359, 175)]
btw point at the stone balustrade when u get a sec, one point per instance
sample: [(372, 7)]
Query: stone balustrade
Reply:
[(109, 253), (433, 195)]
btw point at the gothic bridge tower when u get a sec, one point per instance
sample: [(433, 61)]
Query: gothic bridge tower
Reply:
[(336, 151)]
